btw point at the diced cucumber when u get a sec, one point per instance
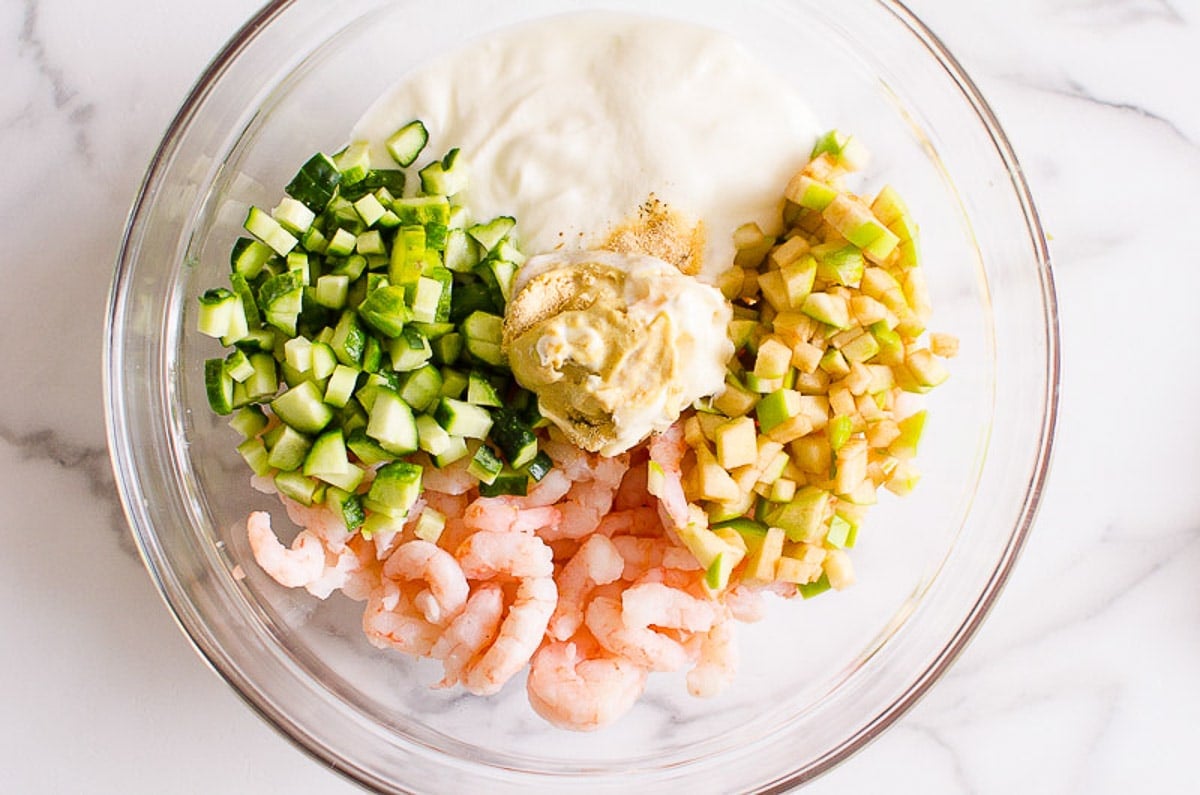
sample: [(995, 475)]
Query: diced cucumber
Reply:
[(269, 231), (514, 438), (237, 364), (471, 297), (217, 307), (327, 456), (430, 525), (345, 505), (454, 383), (405, 144), (423, 210), (366, 449), (218, 384), (426, 298), (409, 350), (457, 450), (241, 288), (539, 467), (331, 290), (498, 275), (386, 310), (249, 421), (395, 488), (288, 448), (445, 177), (304, 490), (302, 408), (315, 182), (485, 465), (354, 162), (447, 348), (422, 387), (265, 381), (255, 454), (342, 382), (483, 332), (480, 390), (490, 234), (461, 254), (392, 423), (431, 437), (506, 483), (293, 216), (342, 244), (370, 210), (462, 419), (249, 256)]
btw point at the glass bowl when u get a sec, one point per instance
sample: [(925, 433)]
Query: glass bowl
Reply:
[(818, 679)]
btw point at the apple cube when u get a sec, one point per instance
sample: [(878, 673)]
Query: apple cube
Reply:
[(761, 565), (773, 360), (828, 308), (736, 442)]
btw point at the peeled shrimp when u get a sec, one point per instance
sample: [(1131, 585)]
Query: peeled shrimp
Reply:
[(320, 521), (485, 555), (589, 500), (667, 450), (500, 515), (745, 603), (641, 521), (581, 694), (421, 560), (473, 630), (392, 620), (296, 567), (639, 554), (450, 479), (596, 563), (520, 635), (718, 659), (645, 647), (657, 604)]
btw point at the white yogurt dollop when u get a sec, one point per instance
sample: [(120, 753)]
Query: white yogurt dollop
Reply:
[(570, 123)]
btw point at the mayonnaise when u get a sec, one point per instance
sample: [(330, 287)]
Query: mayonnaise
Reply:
[(570, 123)]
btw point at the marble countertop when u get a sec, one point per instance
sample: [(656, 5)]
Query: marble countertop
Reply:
[(1084, 678)]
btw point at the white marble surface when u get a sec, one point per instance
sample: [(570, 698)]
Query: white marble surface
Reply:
[(1084, 679)]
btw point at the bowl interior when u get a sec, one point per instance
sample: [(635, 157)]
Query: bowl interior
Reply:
[(817, 677)]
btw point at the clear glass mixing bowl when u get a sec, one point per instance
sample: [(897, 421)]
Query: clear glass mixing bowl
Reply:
[(818, 679)]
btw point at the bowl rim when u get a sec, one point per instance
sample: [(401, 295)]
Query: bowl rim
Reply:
[(121, 458)]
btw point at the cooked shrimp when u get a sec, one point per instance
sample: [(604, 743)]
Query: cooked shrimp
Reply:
[(392, 620), (596, 563), (547, 491), (632, 492), (639, 554), (485, 555), (296, 567), (718, 660), (645, 647), (363, 578), (589, 500), (470, 633), (641, 521), (657, 604), (320, 521), (520, 635), (581, 694), (500, 515), (421, 560), (680, 559), (448, 505), (575, 463), (745, 603), (667, 450)]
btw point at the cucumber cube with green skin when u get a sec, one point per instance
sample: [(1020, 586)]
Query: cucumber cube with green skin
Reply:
[(327, 455), (304, 490), (248, 257), (490, 234), (410, 350), (303, 408), (444, 177), (282, 293), (456, 451), (421, 387), (288, 448), (453, 383), (216, 311), (423, 211), (241, 288), (394, 490), (460, 418), (297, 353), (392, 423), (386, 310), (366, 449), (354, 162), (461, 254), (218, 385), (514, 438), (802, 519), (315, 183), (370, 210), (345, 505), (539, 467), (507, 483), (265, 381), (426, 297), (485, 465), (407, 257), (255, 454), (431, 437), (405, 144), (340, 387), (293, 216), (341, 244), (249, 421), (237, 364), (827, 308), (480, 390), (269, 231), (777, 408), (430, 525)]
